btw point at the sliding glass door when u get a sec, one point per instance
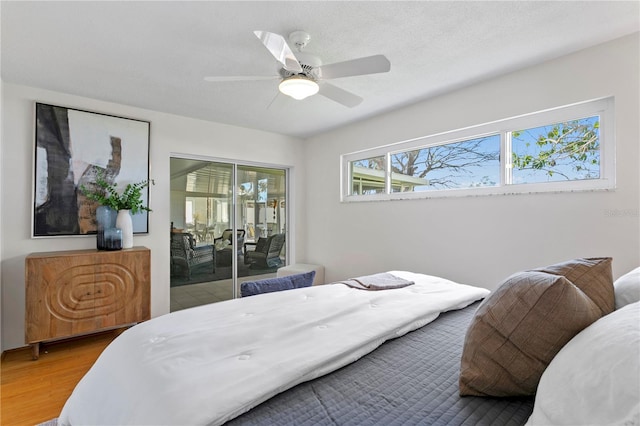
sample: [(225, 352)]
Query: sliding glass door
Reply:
[(228, 225)]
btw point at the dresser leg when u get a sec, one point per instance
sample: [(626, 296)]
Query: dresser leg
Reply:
[(35, 351)]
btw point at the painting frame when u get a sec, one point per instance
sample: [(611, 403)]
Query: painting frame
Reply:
[(71, 147)]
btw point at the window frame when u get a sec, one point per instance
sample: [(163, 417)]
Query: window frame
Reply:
[(603, 107)]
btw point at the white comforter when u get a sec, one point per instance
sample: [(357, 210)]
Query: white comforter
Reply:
[(209, 364)]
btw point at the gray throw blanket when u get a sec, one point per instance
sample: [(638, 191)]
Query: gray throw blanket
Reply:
[(381, 281)]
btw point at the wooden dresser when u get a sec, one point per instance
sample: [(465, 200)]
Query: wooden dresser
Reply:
[(71, 293)]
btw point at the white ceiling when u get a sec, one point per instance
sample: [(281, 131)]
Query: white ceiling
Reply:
[(154, 55)]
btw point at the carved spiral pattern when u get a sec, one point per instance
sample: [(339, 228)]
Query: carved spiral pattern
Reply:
[(81, 292)]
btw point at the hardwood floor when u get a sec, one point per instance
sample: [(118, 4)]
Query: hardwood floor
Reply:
[(33, 392)]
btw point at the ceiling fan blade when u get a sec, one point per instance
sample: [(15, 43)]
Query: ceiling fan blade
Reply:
[(339, 95), (367, 65), (225, 78), (277, 45)]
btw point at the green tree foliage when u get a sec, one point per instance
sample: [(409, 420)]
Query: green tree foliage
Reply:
[(567, 149)]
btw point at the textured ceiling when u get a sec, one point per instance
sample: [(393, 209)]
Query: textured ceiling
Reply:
[(154, 55)]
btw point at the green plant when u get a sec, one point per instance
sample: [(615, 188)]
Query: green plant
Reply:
[(107, 195)]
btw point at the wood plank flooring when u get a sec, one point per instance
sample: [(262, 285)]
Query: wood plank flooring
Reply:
[(32, 392)]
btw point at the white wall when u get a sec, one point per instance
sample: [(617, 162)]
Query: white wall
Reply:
[(481, 240), (169, 134)]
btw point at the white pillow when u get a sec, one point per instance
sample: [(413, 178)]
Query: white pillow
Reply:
[(595, 378), (627, 288)]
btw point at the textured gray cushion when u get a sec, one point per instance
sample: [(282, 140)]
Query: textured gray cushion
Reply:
[(518, 330), (251, 288)]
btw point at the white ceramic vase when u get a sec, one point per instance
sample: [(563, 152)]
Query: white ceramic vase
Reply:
[(124, 222)]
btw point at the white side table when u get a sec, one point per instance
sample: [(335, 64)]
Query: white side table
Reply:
[(300, 268)]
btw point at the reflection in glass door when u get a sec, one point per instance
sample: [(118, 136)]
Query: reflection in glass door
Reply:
[(221, 236)]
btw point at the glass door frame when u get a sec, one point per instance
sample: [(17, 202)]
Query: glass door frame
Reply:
[(234, 203)]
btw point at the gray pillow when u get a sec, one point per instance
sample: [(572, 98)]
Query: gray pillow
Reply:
[(251, 288)]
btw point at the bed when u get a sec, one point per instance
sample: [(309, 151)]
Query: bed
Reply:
[(321, 355), (408, 381)]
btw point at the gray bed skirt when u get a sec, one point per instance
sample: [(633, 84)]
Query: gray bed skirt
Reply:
[(412, 380)]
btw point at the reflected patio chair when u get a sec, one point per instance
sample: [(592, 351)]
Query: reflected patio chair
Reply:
[(186, 257), (265, 252)]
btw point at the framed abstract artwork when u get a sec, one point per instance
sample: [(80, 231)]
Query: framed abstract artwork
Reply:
[(72, 148)]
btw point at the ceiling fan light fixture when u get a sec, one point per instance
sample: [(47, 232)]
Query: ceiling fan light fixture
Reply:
[(298, 87)]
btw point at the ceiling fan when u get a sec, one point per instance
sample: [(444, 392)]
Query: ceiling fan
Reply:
[(303, 75)]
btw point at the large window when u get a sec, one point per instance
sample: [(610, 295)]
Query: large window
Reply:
[(563, 149)]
